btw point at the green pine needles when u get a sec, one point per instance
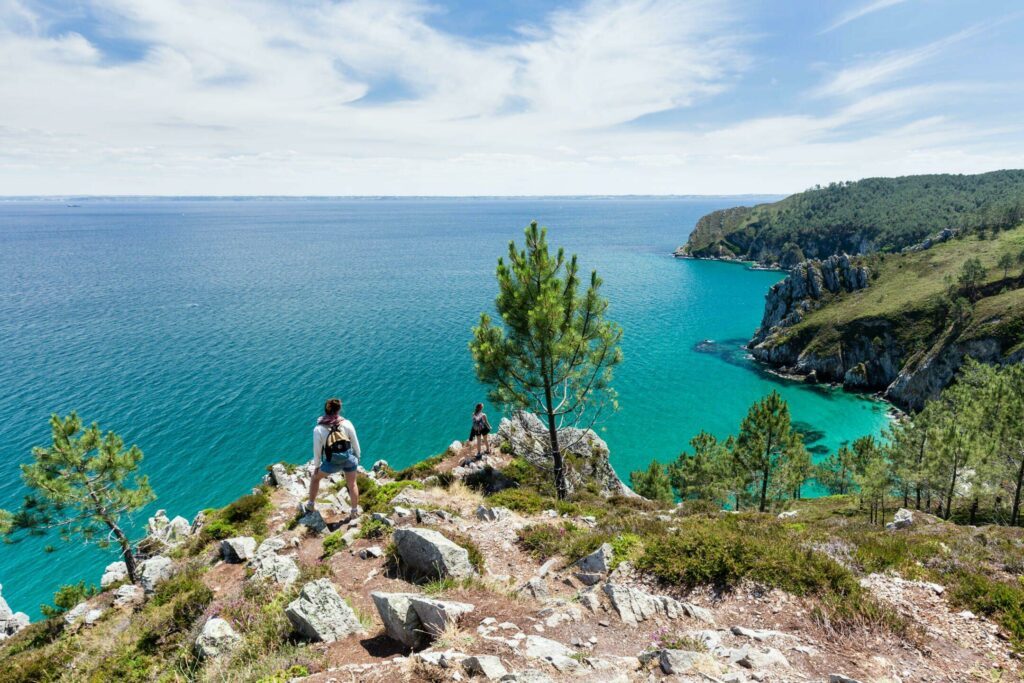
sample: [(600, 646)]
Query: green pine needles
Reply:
[(82, 485), (554, 352)]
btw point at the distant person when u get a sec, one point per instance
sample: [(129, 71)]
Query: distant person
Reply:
[(335, 449), (481, 428)]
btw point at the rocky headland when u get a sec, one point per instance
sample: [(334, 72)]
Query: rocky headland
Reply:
[(465, 569)]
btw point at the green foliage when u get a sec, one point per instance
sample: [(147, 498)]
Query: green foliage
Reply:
[(767, 443), (544, 541), (1000, 601), (332, 543), (296, 671), (476, 557), (373, 528), (377, 497), (891, 212), (626, 547), (520, 499), (246, 516), (82, 485), (555, 352), (420, 470), (708, 474), (66, 597), (652, 483)]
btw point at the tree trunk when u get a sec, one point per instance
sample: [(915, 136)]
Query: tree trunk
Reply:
[(764, 492), (126, 550), (1015, 511), (949, 495), (556, 453)]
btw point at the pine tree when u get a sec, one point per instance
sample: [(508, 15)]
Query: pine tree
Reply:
[(837, 472), (83, 484), (1006, 262), (766, 442), (652, 483), (555, 353), (706, 473)]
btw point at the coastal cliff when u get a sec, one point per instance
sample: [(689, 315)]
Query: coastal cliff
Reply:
[(887, 323)]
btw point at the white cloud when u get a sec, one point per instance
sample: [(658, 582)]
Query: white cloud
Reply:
[(861, 11)]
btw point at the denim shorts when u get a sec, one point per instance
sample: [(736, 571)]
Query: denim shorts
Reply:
[(342, 462)]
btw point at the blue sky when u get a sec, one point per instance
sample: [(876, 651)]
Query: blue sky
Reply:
[(525, 97)]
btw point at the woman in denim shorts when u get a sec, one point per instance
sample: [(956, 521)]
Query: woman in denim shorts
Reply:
[(330, 428)]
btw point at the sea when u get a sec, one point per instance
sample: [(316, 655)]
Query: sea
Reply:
[(209, 331)]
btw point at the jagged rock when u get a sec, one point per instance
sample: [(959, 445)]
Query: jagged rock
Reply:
[(589, 599), (270, 546), (840, 678), (436, 615), (237, 550), (277, 568), (536, 588), (587, 453), (454, 447), (290, 483), (788, 514), (382, 518), (10, 621), (128, 594), (155, 570), (753, 633), (597, 562), (380, 467), (313, 521), (495, 514), (372, 552), (527, 676), (115, 571), (538, 647), (488, 666), (165, 532), (427, 553), (634, 605), (76, 614), (216, 639), (401, 621), (320, 614), (903, 519), (751, 658), (678, 661), (93, 615)]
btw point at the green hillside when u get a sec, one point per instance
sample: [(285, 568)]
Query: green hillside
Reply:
[(874, 214)]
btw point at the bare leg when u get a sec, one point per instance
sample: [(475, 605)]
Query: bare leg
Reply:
[(487, 443), (478, 445), (314, 488), (353, 491)]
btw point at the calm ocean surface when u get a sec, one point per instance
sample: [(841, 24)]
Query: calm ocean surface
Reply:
[(210, 332)]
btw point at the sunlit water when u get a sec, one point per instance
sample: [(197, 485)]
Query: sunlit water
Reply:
[(210, 332)]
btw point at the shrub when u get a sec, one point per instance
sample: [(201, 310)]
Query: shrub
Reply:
[(68, 596), (296, 671), (374, 528), (423, 468), (1002, 602), (377, 497), (626, 547), (332, 543), (548, 540), (218, 530), (245, 508), (521, 499)]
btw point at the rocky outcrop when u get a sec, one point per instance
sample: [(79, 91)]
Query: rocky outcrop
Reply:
[(806, 288), (238, 550), (427, 553), (164, 533), (154, 571), (320, 614), (216, 638), (584, 453), (115, 572), (10, 622)]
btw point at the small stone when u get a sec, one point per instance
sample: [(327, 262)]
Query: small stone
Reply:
[(488, 666), (840, 678), (126, 594), (382, 518), (216, 639), (372, 552)]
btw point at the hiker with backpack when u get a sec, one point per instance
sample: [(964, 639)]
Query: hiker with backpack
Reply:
[(481, 428), (335, 449)]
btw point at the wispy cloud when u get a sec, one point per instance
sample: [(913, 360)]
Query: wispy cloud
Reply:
[(860, 11)]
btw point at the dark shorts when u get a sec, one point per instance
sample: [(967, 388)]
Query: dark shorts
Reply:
[(482, 431), (344, 462)]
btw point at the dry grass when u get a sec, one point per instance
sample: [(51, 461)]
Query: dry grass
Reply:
[(457, 494)]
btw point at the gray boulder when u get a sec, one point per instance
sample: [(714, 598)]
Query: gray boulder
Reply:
[(276, 568), (428, 554), (488, 666), (597, 562), (115, 571), (155, 570), (903, 519), (634, 605), (535, 588), (495, 514), (128, 594), (436, 615), (237, 550), (313, 521), (527, 676), (320, 614), (538, 647), (217, 638), (678, 661), (400, 619), (10, 622), (76, 614)]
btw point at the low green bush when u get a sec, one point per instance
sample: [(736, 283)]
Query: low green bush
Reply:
[(544, 541), (297, 671), (521, 499), (422, 469), (378, 497), (67, 596), (1000, 601), (374, 528), (332, 543)]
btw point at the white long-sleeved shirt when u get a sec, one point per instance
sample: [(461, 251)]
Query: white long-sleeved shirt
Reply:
[(320, 433)]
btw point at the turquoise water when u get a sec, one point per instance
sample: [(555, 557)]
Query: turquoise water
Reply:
[(209, 333)]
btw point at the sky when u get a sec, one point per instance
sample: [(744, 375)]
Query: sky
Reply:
[(522, 97)]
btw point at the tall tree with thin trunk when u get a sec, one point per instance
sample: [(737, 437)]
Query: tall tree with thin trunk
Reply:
[(83, 484), (555, 352), (766, 443)]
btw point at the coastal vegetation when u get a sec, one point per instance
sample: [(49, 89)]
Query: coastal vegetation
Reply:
[(874, 214), (554, 352), (82, 485)]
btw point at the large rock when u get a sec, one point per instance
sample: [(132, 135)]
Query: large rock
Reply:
[(634, 605), (155, 570), (586, 453), (428, 554), (115, 572), (166, 532), (597, 562), (437, 615), (76, 613), (217, 638), (281, 478), (128, 594), (678, 661), (320, 614), (401, 622), (538, 647), (313, 521), (527, 676), (488, 666), (276, 568), (10, 622), (237, 550), (903, 519)]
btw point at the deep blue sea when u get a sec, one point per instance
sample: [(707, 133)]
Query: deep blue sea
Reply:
[(209, 332)]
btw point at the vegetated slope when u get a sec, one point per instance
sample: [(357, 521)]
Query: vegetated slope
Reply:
[(909, 329), (689, 591), (874, 214)]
